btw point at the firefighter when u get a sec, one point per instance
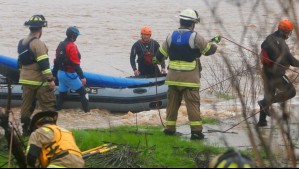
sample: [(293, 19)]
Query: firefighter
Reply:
[(67, 69), (276, 58), (35, 73), (145, 48), (51, 146), (184, 46)]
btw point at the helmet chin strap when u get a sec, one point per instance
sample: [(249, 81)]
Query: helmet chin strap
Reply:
[(72, 38)]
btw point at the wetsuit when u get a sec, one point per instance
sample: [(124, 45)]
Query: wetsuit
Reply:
[(145, 52), (276, 59)]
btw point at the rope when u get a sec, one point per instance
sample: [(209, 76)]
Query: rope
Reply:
[(225, 131), (156, 79), (258, 54)]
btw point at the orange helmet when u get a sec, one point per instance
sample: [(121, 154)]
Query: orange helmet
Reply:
[(285, 25), (146, 30)]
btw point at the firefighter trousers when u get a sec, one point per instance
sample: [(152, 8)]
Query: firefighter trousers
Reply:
[(191, 96), (43, 94)]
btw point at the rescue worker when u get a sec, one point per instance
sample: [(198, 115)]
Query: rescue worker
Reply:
[(184, 46), (68, 70), (276, 58), (231, 159), (145, 48), (51, 146), (35, 73)]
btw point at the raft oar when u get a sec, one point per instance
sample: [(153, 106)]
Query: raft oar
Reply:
[(101, 149)]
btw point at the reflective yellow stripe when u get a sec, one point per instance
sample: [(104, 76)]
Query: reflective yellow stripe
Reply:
[(221, 164), (183, 84), (27, 149), (170, 123), (182, 65), (55, 166), (46, 129), (195, 123), (45, 56), (35, 83), (206, 49), (246, 166), (233, 165), (47, 71), (164, 53)]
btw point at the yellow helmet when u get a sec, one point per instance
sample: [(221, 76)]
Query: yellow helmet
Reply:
[(189, 14), (231, 159)]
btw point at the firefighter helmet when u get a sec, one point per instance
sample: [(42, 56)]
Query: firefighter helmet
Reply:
[(189, 14), (36, 21), (231, 159), (45, 116)]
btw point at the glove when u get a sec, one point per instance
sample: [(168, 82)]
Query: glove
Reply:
[(216, 39), (83, 81), (155, 60)]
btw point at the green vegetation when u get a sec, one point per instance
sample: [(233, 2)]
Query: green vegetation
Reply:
[(137, 146), (225, 96), (210, 120), (145, 147)]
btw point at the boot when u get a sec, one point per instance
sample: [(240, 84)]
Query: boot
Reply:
[(264, 107), (25, 126), (197, 135), (84, 99), (262, 119), (60, 99), (169, 132)]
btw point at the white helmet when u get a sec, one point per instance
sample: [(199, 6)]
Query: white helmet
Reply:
[(189, 14)]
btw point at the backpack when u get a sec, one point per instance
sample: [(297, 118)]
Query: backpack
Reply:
[(26, 56), (61, 58)]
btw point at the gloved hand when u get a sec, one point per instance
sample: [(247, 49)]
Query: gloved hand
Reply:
[(163, 71), (216, 39), (83, 81), (136, 72), (155, 60)]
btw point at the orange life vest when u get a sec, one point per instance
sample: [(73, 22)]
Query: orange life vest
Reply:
[(62, 144)]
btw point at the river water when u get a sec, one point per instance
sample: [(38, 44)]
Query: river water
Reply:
[(110, 27)]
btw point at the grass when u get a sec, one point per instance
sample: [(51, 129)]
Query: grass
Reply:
[(148, 146), (225, 96), (142, 146)]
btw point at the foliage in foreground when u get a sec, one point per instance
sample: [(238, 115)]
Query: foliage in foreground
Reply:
[(144, 147)]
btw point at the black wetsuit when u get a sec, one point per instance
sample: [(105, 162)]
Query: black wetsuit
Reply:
[(145, 51)]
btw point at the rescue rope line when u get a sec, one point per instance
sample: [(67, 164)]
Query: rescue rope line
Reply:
[(157, 103), (258, 54), (238, 74), (225, 131)]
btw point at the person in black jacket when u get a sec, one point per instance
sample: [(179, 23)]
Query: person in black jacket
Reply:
[(145, 49), (276, 59)]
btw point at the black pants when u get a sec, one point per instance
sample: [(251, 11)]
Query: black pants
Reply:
[(149, 70)]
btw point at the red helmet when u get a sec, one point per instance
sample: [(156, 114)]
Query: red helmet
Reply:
[(285, 25), (146, 30)]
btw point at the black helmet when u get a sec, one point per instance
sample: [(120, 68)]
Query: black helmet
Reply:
[(45, 116), (72, 31), (36, 21), (231, 159)]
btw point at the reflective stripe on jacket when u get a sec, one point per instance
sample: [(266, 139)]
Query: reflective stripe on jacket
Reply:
[(38, 72)]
